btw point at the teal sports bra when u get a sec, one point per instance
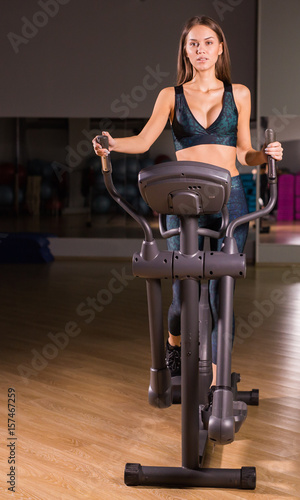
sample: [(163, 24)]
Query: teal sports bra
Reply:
[(188, 132)]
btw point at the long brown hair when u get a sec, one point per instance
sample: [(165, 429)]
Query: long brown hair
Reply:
[(185, 71)]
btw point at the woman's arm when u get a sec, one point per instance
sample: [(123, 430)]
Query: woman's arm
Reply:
[(245, 153), (153, 128)]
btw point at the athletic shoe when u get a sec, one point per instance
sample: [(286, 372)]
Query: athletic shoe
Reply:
[(173, 359)]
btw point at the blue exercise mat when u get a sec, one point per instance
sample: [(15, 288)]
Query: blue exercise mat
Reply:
[(25, 248)]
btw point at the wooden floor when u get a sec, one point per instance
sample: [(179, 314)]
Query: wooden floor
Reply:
[(81, 397)]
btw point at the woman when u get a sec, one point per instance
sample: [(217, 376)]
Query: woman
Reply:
[(210, 121)]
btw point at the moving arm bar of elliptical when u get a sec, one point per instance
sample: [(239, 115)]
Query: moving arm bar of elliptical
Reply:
[(127, 207), (272, 178), (107, 176), (254, 215)]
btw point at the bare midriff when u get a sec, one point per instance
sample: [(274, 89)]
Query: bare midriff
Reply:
[(214, 154)]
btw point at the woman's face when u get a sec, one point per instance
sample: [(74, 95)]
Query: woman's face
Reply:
[(202, 47)]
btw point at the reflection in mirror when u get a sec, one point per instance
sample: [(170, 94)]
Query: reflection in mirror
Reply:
[(51, 180), (282, 226)]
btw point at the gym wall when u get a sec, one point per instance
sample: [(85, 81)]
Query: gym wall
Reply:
[(279, 61), (279, 74), (69, 58)]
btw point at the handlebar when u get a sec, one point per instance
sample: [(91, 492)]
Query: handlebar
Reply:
[(272, 174), (105, 160), (272, 177), (107, 176)]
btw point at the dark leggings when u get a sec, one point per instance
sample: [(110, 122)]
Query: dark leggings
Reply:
[(237, 206)]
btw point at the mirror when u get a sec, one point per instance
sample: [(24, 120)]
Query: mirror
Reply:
[(278, 238)]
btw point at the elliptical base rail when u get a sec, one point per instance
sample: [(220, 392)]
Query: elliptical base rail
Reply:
[(178, 477)]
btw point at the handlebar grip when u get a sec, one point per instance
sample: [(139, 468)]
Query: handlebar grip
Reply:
[(105, 160), (102, 140), (270, 137)]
